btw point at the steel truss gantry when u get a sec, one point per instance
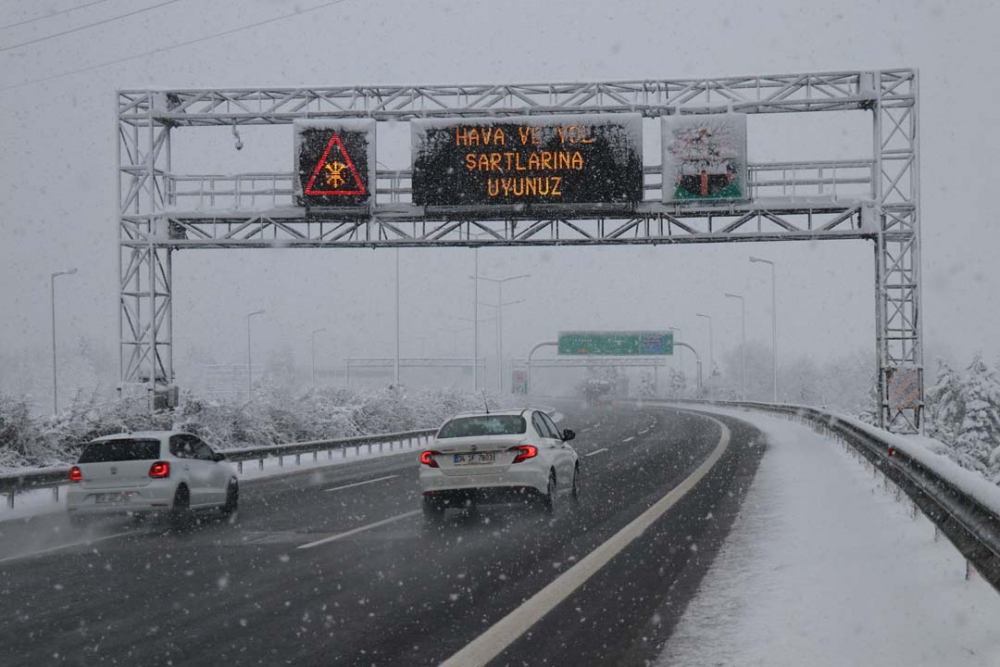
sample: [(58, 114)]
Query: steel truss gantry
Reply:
[(875, 198)]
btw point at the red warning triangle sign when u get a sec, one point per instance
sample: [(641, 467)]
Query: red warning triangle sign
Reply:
[(335, 173)]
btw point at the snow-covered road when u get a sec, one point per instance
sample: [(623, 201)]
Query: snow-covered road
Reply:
[(825, 567)]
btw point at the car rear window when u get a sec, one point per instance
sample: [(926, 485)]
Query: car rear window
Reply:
[(120, 450), (483, 425)]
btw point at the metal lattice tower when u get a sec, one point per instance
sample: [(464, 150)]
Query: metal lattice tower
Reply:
[(876, 198)]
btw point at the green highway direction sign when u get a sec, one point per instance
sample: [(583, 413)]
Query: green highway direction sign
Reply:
[(617, 343)]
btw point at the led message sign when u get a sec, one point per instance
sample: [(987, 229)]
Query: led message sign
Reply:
[(573, 159), (335, 162)]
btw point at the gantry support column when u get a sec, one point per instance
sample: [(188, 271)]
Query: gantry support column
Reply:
[(897, 252), (145, 269)]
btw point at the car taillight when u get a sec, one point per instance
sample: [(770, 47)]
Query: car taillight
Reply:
[(159, 470), (427, 458), (75, 474), (525, 452)]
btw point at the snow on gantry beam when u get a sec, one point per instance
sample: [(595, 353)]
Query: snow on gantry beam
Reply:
[(829, 91)]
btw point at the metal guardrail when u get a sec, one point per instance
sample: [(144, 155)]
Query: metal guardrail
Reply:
[(14, 483), (970, 525)]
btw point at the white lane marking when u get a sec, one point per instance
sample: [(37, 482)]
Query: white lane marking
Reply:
[(66, 546), (597, 451), (370, 481), (355, 531), (494, 641), (628, 439)]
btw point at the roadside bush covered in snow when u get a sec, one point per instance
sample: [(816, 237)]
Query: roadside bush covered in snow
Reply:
[(20, 438), (275, 416), (964, 414), (54, 439)]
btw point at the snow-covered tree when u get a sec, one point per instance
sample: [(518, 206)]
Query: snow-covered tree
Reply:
[(980, 434), (678, 383), (946, 404), (647, 387)]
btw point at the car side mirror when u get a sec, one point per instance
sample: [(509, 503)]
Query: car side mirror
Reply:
[(568, 435), (218, 457)]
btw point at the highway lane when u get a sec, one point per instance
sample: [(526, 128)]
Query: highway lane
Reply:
[(393, 591)]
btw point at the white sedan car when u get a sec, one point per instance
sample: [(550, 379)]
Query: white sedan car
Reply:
[(498, 457), (152, 471)]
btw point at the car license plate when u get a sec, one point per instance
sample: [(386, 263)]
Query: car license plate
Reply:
[(107, 498), (476, 458)]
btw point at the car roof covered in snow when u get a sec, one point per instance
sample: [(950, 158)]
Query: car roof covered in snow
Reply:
[(493, 413), (138, 435)]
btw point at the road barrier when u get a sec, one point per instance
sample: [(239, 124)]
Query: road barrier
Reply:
[(967, 513), (14, 483)]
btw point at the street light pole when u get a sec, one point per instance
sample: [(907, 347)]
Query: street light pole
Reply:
[(500, 305), (499, 337), (475, 323), (774, 325), (711, 357), (249, 366), (315, 331), (473, 327), (499, 320), (743, 336), (396, 364), (52, 288)]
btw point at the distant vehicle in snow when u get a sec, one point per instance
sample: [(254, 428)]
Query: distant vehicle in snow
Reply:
[(496, 457), (151, 471)]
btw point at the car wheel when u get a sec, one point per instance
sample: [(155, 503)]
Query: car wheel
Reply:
[(232, 498), (576, 483), (180, 511), (549, 499), (433, 511)]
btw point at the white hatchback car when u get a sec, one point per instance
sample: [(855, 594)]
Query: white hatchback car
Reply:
[(498, 457), (151, 471)]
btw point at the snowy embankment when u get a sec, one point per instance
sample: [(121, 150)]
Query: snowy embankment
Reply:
[(825, 567)]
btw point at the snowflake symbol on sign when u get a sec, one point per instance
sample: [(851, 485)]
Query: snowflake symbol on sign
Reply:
[(334, 171)]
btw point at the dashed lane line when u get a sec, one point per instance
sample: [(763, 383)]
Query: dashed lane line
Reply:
[(369, 481), (360, 529)]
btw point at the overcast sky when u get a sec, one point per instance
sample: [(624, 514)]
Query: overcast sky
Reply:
[(57, 170)]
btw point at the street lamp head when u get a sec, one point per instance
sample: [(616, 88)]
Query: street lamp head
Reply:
[(703, 315), (316, 331), (256, 312), (71, 271), (762, 261), (733, 296)]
